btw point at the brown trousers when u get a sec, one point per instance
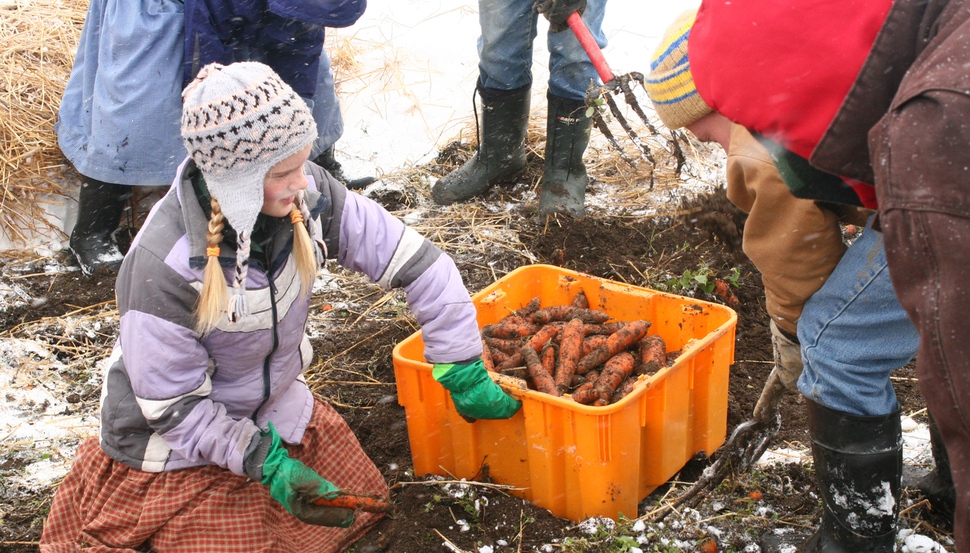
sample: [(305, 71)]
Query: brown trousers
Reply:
[(921, 156)]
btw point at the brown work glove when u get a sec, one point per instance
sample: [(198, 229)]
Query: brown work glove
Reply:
[(557, 11), (784, 375)]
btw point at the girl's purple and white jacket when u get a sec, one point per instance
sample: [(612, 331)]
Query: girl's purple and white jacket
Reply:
[(172, 399)]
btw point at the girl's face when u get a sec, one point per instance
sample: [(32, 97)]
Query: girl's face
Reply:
[(282, 183)]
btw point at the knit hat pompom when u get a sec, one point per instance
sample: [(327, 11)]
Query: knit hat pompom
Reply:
[(670, 84), (238, 121)]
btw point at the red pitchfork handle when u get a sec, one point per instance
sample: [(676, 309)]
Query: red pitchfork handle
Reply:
[(576, 23)]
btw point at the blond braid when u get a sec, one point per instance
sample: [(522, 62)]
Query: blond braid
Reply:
[(303, 252), (214, 297)]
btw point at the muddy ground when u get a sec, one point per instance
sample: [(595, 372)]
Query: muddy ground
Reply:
[(649, 251)]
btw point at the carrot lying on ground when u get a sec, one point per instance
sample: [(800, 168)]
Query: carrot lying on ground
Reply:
[(652, 354), (540, 377), (617, 342), (566, 312), (570, 350), (723, 289), (617, 369), (366, 503)]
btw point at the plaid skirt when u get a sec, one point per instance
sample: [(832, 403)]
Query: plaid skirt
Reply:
[(105, 506)]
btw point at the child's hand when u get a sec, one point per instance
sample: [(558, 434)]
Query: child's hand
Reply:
[(475, 395)]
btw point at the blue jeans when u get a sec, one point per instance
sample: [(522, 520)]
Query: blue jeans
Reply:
[(505, 48), (854, 332), (326, 109)]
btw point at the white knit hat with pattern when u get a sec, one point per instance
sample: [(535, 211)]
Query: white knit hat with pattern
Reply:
[(238, 121)]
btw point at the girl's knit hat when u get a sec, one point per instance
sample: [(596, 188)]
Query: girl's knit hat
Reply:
[(238, 121), (670, 84)]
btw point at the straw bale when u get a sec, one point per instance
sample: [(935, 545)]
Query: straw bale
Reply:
[(39, 39)]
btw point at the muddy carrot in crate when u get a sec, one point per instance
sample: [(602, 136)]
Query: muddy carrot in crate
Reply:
[(509, 327), (366, 503), (625, 388), (588, 377), (540, 377), (566, 312), (505, 345), (580, 300), (487, 358), (617, 342), (548, 359), (603, 328), (592, 342), (528, 309), (542, 336), (586, 394), (570, 350), (617, 369), (512, 361), (652, 354)]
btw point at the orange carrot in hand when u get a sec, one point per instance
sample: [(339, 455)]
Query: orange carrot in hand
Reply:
[(366, 503)]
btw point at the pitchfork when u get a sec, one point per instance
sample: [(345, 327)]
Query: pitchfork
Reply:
[(619, 85)]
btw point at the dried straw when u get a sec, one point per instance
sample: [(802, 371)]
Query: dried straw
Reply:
[(39, 39)]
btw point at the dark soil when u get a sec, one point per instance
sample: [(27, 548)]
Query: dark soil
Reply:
[(641, 252)]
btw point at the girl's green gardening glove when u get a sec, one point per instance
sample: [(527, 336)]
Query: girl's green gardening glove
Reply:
[(475, 394), (294, 484)]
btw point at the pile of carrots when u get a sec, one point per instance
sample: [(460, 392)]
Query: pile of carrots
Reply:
[(574, 350)]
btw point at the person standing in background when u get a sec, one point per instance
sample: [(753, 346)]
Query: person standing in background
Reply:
[(118, 123), (509, 28)]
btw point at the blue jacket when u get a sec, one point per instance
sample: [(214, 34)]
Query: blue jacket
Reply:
[(287, 35)]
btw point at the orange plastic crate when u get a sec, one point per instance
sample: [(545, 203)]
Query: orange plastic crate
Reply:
[(581, 461)]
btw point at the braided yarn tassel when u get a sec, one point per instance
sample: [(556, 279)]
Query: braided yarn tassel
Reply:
[(238, 306)]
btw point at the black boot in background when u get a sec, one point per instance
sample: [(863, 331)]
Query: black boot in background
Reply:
[(937, 486), (564, 179), (501, 146), (99, 209), (330, 163), (858, 465)]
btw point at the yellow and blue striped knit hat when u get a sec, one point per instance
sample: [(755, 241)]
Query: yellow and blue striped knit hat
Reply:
[(670, 84)]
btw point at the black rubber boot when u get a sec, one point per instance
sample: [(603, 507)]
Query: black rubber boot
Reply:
[(564, 179), (859, 465), (501, 147), (330, 163), (937, 486), (99, 209)]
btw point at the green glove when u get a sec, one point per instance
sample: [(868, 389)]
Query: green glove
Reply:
[(296, 485), (476, 396)]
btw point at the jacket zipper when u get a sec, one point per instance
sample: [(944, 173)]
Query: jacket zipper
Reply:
[(276, 343)]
